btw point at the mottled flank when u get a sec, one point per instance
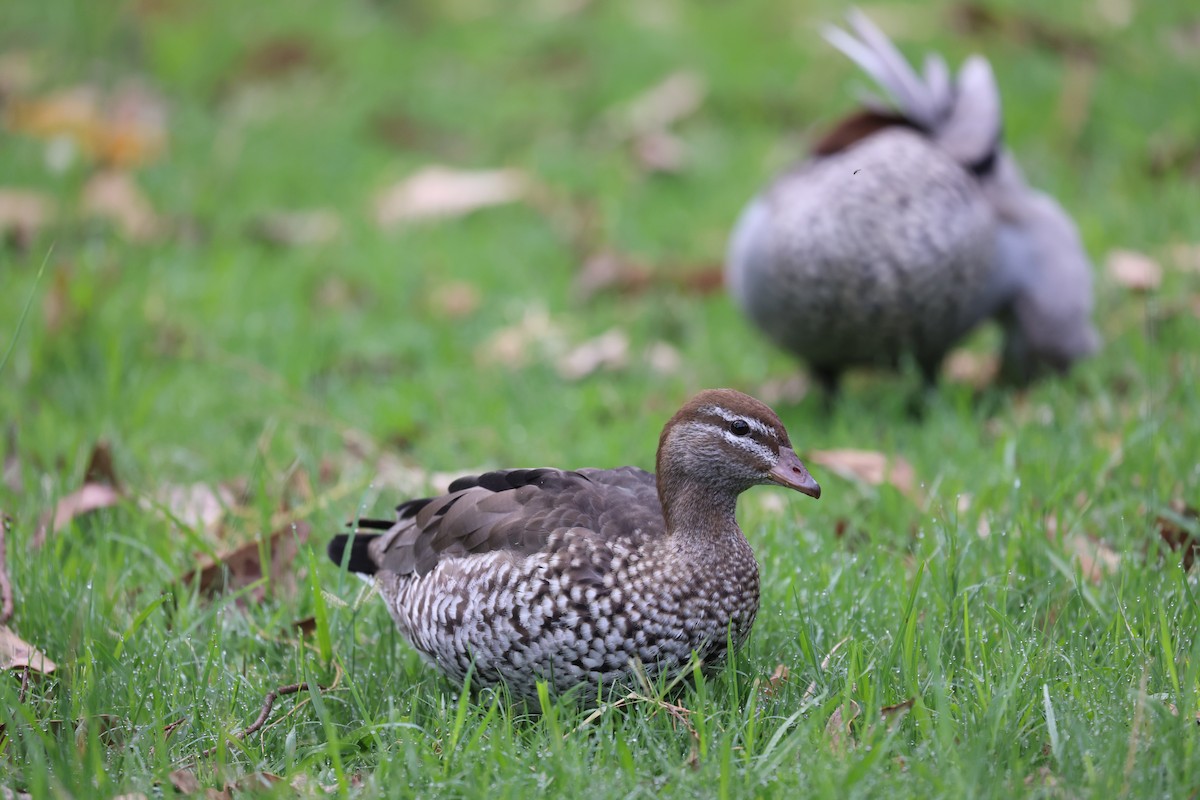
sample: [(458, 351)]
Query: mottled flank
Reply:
[(574, 576), (906, 228)]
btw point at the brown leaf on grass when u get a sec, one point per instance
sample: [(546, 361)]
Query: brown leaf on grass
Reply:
[(18, 654), (779, 678), (869, 467), (198, 506), (837, 729), (278, 57), (1177, 527), (114, 196), (784, 391), (608, 351), (977, 370), (100, 467), (438, 192), (243, 566), (455, 300), (123, 128), (303, 228), (1186, 257), (894, 713), (1096, 559), (22, 214), (90, 497), (184, 781), (663, 358), (1134, 271), (515, 346), (674, 98), (661, 151), (608, 271)]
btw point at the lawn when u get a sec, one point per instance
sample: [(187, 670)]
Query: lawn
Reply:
[(216, 319)]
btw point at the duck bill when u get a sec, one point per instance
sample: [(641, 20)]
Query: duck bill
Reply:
[(790, 472)]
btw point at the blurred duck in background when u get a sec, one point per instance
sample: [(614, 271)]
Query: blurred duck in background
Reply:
[(909, 225)]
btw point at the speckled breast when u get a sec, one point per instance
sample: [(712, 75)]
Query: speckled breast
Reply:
[(518, 620)]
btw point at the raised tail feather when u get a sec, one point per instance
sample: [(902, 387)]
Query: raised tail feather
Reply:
[(963, 116), (360, 560)]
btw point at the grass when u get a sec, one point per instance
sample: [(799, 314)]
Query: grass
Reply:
[(206, 355)]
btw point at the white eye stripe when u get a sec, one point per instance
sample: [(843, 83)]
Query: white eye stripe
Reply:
[(746, 443), (730, 416)]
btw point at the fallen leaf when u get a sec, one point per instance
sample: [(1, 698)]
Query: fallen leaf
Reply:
[(663, 359), (455, 300), (869, 467), (783, 391), (661, 151), (306, 626), (123, 128), (1186, 257), (779, 678), (438, 192), (1178, 529), (894, 713), (1134, 271), (675, 97), (243, 566), (198, 506), (609, 351), (277, 58), (837, 729), (90, 497), (607, 270), (17, 654), (114, 196), (23, 213), (977, 370), (1096, 559), (184, 781), (306, 228), (100, 467), (511, 346)]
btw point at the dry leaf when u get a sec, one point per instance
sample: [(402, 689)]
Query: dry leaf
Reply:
[(663, 359), (17, 654), (837, 729), (1177, 531), (91, 497), (184, 781), (1186, 257), (306, 228), (278, 57), (868, 466), (114, 196), (609, 270), (894, 713), (1096, 559), (243, 566), (22, 214), (1134, 271), (977, 370), (100, 467), (783, 391), (609, 351), (198, 506), (661, 151), (125, 128), (455, 300), (511, 346), (779, 678), (440, 192), (676, 97)]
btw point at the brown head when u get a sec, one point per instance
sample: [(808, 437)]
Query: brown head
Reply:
[(721, 443)]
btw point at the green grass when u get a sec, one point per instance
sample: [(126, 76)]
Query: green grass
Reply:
[(207, 355)]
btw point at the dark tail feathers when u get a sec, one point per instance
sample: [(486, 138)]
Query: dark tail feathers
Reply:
[(360, 560)]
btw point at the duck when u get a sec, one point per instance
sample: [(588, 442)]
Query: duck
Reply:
[(581, 577), (909, 224)]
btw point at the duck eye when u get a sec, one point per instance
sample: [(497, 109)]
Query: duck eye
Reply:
[(739, 427)]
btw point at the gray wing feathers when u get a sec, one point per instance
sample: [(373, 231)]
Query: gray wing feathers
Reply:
[(972, 129)]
